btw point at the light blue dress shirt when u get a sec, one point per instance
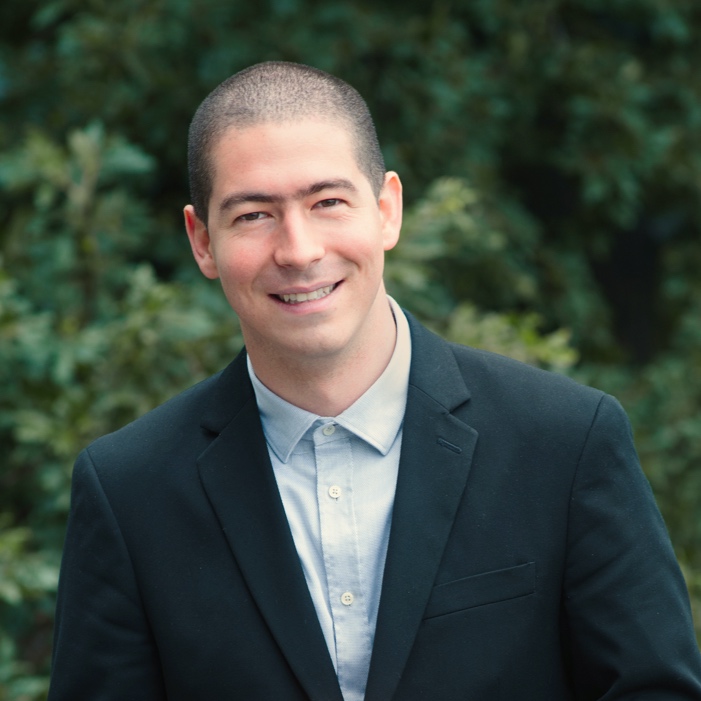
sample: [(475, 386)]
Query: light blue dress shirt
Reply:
[(337, 478)]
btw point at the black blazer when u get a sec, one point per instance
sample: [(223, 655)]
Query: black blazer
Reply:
[(527, 559)]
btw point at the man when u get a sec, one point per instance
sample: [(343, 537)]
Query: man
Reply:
[(355, 509)]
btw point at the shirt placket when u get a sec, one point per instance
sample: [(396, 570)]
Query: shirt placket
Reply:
[(339, 541)]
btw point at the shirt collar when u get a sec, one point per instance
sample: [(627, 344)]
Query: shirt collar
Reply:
[(375, 417)]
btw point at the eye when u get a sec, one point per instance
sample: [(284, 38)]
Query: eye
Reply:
[(331, 202), (251, 216)]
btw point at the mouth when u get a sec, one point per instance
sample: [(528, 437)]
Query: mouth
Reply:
[(299, 297)]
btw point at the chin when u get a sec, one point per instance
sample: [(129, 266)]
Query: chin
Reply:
[(314, 347)]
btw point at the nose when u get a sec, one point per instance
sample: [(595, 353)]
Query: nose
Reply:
[(298, 244)]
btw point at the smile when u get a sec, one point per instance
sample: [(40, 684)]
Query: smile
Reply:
[(307, 296)]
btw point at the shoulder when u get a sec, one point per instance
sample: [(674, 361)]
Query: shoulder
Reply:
[(520, 390), (164, 421), (485, 369), (170, 438), (500, 388)]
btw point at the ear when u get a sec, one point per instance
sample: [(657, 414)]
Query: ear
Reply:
[(390, 204), (200, 243)]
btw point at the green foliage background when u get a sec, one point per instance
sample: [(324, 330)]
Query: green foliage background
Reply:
[(551, 154)]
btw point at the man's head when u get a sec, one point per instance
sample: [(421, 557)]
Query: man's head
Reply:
[(297, 223), (277, 92)]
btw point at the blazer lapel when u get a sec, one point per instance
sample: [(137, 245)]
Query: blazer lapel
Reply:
[(435, 460), (237, 476)]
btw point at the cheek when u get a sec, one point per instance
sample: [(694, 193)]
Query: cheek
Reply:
[(367, 247), (238, 265)]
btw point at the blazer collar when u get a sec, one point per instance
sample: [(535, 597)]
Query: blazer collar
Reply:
[(434, 370), (231, 393)]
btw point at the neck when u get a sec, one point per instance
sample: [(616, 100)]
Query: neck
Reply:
[(327, 386)]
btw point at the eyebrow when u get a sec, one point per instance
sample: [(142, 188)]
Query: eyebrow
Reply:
[(237, 198)]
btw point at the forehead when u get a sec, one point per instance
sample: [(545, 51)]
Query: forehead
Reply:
[(264, 148)]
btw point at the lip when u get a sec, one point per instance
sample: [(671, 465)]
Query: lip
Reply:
[(307, 306), (305, 289)]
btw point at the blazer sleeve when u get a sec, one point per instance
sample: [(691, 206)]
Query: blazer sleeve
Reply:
[(627, 608), (103, 648)]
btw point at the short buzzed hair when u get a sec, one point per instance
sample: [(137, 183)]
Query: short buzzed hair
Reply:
[(274, 92)]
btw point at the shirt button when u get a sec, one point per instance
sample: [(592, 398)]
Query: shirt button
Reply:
[(334, 491), (347, 598), (328, 430)]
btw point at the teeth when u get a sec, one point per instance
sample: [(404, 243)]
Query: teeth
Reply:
[(307, 296)]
